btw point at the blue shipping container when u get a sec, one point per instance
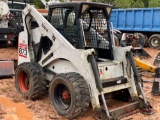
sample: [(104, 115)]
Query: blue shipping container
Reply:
[(139, 19)]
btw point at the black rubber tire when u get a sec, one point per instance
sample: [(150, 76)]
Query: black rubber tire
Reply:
[(154, 38), (78, 93), (145, 38), (34, 75)]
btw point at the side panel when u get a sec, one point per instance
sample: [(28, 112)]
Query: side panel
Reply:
[(59, 66), (140, 19)]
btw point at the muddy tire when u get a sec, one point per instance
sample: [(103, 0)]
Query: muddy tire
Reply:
[(154, 41), (69, 95), (30, 80)]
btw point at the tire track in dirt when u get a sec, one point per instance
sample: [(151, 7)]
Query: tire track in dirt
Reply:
[(15, 111)]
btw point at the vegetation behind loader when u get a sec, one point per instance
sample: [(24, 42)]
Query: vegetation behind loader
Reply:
[(74, 54)]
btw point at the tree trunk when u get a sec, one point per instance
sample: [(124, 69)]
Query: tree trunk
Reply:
[(146, 3)]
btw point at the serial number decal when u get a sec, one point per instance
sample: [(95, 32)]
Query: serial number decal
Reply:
[(23, 50)]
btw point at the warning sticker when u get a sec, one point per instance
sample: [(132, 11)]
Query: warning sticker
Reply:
[(23, 50), (100, 71)]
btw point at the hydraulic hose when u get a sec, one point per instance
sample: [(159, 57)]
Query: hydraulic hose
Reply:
[(136, 74), (93, 62), (95, 72)]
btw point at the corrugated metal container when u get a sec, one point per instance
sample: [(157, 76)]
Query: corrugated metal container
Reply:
[(139, 19)]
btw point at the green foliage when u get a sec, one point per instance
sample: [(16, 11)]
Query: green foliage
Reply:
[(123, 4), (119, 3), (38, 4), (132, 3), (146, 3), (137, 4), (154, 3), (126, 3)]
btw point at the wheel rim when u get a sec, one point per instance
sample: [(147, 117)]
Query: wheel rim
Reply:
[(23, 82), (155, 42), (62, 96)]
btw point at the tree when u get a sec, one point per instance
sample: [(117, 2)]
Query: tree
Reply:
[(123, 4), (137, 4), (146, 3), (118, 3), (38, 4), (154, 3)]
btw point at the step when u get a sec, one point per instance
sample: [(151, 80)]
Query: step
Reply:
[(118, 83), (125, 110), (117, 110), (113, 81)]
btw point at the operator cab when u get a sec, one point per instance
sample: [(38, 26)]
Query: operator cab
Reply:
[(84, 25)]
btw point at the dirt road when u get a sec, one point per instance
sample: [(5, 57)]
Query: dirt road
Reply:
[(15, 107)]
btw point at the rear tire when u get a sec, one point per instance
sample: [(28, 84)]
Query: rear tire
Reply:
[(69, 95), (154, 41), (30, 80)]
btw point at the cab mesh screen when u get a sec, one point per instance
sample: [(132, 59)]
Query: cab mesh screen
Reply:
[(95, 29)]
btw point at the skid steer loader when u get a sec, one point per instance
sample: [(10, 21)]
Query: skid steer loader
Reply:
[(77, 61)]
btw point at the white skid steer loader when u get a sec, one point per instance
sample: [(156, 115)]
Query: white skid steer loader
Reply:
[(78, 62)]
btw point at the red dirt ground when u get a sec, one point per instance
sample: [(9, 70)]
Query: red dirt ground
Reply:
[(15, 107)]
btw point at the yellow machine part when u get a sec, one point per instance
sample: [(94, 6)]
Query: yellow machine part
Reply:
[(144, 65)]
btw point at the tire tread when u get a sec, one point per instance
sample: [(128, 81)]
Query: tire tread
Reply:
[(38, 80), (81, 90)]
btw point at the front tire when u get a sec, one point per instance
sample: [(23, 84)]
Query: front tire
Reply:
[(69, 95), (30, 80)]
